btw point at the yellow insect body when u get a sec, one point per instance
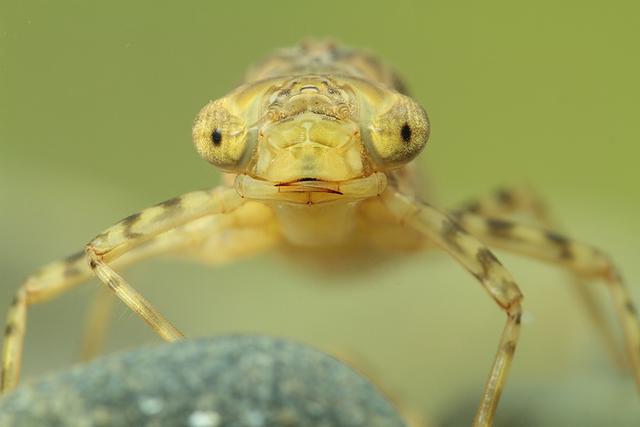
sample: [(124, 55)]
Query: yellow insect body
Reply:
[(317, 147)]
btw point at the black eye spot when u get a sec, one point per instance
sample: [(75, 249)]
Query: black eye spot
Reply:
[(405, 132), (216, 137)]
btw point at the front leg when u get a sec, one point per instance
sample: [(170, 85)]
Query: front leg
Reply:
[(139, 228), (484, 266), (174, 225), (213, 240)]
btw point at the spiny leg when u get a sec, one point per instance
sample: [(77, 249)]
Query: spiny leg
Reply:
[(230, 237), (506, 202), (580, 258), (45, 284), (57, 277), (99, 312), (143, 226), (484, 266)]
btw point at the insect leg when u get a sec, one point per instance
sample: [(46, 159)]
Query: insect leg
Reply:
[(45, 284), (484, 266), (97, 322), (582, 259), (144, 226), (51, 280), (57, 277), (506, 202), (212, 240)]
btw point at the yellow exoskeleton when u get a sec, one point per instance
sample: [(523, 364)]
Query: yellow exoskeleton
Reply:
[(317, 146)]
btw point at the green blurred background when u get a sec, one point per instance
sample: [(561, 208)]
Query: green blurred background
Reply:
[(96, 105)]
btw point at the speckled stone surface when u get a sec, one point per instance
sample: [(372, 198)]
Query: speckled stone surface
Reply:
[(234, 381)]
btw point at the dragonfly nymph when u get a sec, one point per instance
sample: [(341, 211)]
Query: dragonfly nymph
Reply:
[(317, 147)]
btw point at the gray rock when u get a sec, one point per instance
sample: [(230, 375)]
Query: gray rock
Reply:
[(234, 381)]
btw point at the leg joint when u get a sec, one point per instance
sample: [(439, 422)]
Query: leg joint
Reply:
[(514, 309)]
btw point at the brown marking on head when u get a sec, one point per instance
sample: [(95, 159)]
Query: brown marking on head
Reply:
[(487, 260), (473, 207), (399, 84), (93, 264), (563, 244), (499, 228), (374, 63), (505, 197)]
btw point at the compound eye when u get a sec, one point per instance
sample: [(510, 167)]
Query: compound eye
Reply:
[(406, 132), (220, 137), (398, 134), (216, 137)]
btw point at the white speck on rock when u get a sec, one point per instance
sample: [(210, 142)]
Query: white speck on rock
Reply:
[(255, 418), (150, 405), (204, 419), (263, 359)]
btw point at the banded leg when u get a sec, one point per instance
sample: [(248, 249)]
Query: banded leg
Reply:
[(141, 227), (50, 281), (242, 233), (47, 283), (506, 202), (60, 276), (484, 266), (584, 260)]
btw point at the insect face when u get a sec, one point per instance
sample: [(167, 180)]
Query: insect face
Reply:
[(311, 128), (309, 147)]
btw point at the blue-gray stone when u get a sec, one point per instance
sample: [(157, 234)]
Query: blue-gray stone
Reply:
[(233, 381)]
